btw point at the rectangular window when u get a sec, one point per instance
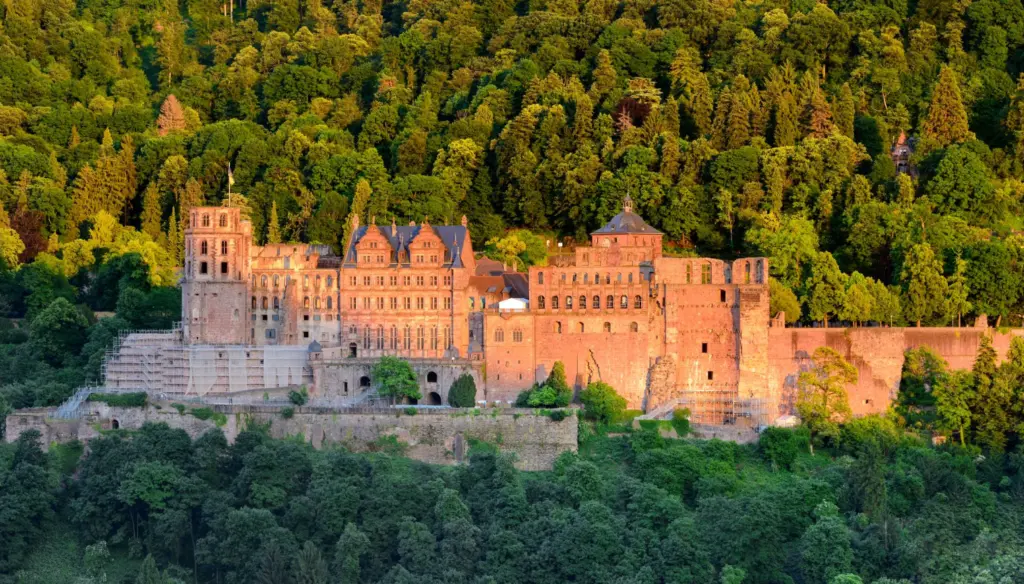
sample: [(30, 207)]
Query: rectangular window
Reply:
[(223, 267), (419, 303), (407, 303), (202, 268), (406, 280), (366, 304), (223, 247), (721, 295), (394, 303), (703, 347), (393, 280), (447, 280), (711, 375), (316, 317), (305, 334), (352, 303), (366, 280), (380, 303), (447, 303), (305, 317), (419, 280), (433, 303), (352, 281), (433, 280)]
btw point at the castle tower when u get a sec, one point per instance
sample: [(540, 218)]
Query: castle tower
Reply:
[(214, 289)]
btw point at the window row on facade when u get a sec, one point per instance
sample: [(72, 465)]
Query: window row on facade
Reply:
[(609, 304), (586, 278), (559, 328), (274, 281), (205, 247), (355, 303), (406, 338)]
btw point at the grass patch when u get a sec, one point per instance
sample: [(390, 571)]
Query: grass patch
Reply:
[(389, 445), (208, 414), (121, 400)]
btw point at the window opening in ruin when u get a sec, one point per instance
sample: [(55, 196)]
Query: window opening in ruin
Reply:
[(583, 302), (517, 336), (581, 327), (223, 267), (711, 375), (223, 247), (499, 336), (705, 274), (558, 327), (638, 301), (435, 399), (364, 381), (431, 377), (634, 327), (703, 347), (202, 247), (203, 268), (223, 220), (540, 302), (607, 327), (554, 302), (568, 302), (721, 294), (352, 350), (540, 277), (206, 220)]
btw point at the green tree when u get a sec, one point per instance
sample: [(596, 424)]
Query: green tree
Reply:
[(352, 546), (602, 403), (923, 284), (560, 384), (57, 332), (395, 379), (858, 302), (946, 122), (954, 395), (824, 288), (462, 393), (958, 291), (782, 299), (273, 225), (310, 567), (825, 548), (822, 401), (149, 573)]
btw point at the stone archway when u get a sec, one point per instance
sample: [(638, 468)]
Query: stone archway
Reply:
[(434, 398), (364, 382), (431, 377), (114, 424)]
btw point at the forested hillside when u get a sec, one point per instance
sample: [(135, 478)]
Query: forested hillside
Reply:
[(756, 127)]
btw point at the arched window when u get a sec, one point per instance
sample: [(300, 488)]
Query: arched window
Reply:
[(263, 303), (638, 301), (633, 327), (316, 303), (581, 328), (206, 220), (517, 336), (277, 303), (254, 303), (554, 302), (407, 338), (586, 278), (263, 281), (629, 277), (330, 281), (624, 302), (746, 279), (330, 303), (277, 280), (433, 338), (609, 302), (568, 302), (223, 220), (472, 303), (431, 377), (305, 303), (607, 327), (597, 278), (203, 248), (597, 302), (540, 277), (394, 338), (574, 278), (366, 337), (499, 335), (558, 327), (419, 338), (380, 338), (583, 302), (618, 277), (608, 278), (305, 281), (318, 281), (540, 302)]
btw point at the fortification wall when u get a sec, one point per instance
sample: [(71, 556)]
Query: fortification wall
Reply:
[(435, 436), (877, 352)]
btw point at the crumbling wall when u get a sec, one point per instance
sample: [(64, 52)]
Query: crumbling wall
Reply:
[(436, 436)]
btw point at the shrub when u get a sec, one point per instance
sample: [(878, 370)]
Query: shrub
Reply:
[(180, 407), (121, 400), (410, 411), (298, 398), (523, 399), (558, 415), (602, 403), (462, 393), (780, 446), (681, 421), (288, 412)]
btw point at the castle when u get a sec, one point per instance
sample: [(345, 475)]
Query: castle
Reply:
[(665, 332)]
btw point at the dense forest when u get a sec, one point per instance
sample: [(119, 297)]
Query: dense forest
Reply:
[(756, 127), (154, 507)]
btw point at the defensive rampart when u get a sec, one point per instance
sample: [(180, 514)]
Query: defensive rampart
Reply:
[(438, 436), (877, 352)]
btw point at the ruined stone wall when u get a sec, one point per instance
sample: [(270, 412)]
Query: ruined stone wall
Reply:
[(342, 378), (877, 352), (434, 436)]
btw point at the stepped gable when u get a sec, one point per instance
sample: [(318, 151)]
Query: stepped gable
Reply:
[(453, 237), (627, 222)]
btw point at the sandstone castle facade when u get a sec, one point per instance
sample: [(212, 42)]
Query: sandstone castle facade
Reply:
[(665, 332)]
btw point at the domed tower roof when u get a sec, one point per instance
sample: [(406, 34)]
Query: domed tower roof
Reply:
[(627, 222)]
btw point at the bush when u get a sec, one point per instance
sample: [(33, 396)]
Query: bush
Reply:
[(602, 403), (780, 446), (410, 411), (558, 415), (523, 399), (287, 413), (121, 400), (299, 398), (202, 413), (462, 393), (180, 407), (681, 421)]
